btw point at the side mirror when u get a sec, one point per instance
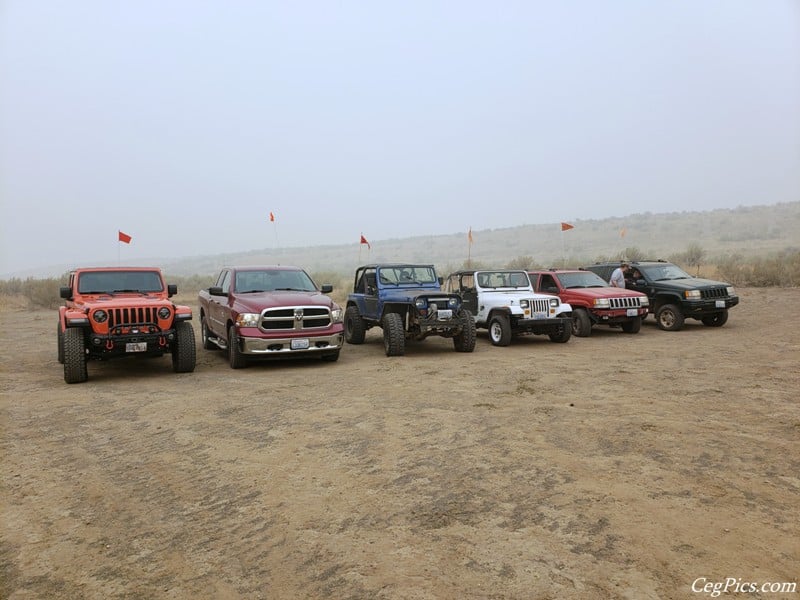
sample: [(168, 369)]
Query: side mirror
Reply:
[(215, 290), (172, 289), (326, 288), (65, 292)]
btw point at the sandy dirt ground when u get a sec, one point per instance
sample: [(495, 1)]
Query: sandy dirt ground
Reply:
[(615, 466)]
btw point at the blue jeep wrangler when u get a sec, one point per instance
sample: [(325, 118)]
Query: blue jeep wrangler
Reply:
[(408, 303)]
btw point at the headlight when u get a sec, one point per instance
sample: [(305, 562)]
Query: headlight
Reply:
[(524, 304), (100, 316), (602, 303), (692, 294), (730, 290), (420, 303), (554, 302), (644, 301), (453, 302), (336, 315), (164, 313), (248, 320)]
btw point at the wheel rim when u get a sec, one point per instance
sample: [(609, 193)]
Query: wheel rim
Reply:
[(667, 318), (496, 332), (204, 331)]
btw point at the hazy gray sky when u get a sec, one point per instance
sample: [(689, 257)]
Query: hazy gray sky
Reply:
[(184, 123)]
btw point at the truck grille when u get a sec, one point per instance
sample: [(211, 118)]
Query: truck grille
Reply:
[(132, 316), (295, 317), (540, 305), (714, 293), (633, 302)]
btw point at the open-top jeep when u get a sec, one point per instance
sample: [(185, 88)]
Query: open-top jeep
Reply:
[(407, 302), (593, 301), (674, 294), (113, 312), (503, 301)]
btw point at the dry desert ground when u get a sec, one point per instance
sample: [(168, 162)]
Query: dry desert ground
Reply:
[(614, 466)]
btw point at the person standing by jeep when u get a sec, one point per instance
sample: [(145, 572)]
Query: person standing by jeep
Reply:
[(618, 276)]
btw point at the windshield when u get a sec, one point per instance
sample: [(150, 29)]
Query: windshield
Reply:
[(270, 280), (664, 272), (504, 279), (407, 274), (584, 279), (109, 282)]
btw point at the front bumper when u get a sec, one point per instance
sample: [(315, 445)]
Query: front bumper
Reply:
[(618, 315), (253, 346), (701, 308), (543, 326)]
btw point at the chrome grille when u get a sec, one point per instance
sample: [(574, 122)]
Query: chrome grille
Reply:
[(714, 293), (630, 302), (295, 317), (540, 305), (145, 315)]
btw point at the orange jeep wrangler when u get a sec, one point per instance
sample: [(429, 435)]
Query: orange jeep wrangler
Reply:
[(112, 312)]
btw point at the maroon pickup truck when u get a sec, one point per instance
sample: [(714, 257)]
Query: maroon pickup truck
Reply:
[(593, 300), (270, 311)]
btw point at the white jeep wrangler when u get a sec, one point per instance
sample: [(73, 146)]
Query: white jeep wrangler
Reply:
[(503, 301)]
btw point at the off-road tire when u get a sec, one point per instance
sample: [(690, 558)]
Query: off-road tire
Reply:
[(331, 356), (354, 328), (236, 359), (464, 341), (75, 356), (500, 330), (60, 338), (562, 336), (669, 317), (717, 319), (184, 351), (205, 335), (581, 323), (633, 325), (394, 337)]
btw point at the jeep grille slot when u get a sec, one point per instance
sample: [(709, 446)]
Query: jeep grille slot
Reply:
[(714, 293), (295, 317), (540, 305), (132, 316), (632, 302)]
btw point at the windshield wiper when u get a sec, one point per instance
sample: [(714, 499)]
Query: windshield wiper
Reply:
[(128, 292), (291, 290)]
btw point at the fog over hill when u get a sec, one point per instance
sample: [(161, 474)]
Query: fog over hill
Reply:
[(747, 231)]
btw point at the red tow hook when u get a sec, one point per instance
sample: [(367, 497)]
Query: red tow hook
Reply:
[(162, 341), (109, 344)]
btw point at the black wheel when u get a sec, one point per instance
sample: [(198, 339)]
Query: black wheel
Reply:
[(331, 356), (633, 325), (354, 327), (205, 335), (74, 356), (716, 320), (581, 323), (465, 340), (236, 359), (184, 352), (394, 337), (562, 335), (669, 317), (500, 330), (60, 337)]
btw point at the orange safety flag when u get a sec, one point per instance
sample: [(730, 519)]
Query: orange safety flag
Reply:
[(469, 235), (364, 241), (622, 232), (124, 237), (271, 216), (566, 226)]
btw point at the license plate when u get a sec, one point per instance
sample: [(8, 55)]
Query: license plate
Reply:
[(539, 315), (301, 344), (632, 312), (444, 314), (720, 303), (136, 347)]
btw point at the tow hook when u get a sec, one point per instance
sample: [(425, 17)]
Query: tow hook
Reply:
[(162, 341), (109, 344)]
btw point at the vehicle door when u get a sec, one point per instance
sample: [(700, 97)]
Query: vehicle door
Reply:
[(369, 287), (218, 305), (469, 295)]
